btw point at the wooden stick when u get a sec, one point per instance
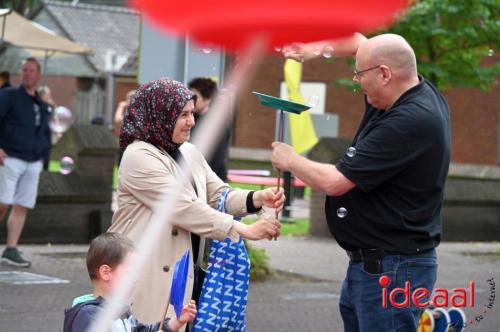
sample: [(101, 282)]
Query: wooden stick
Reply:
[(280, 139), (164, 316)]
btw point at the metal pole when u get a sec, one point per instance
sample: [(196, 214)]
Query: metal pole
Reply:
[(3, 26), (281, 125), (110, 99), (186, 60), (222, 70), (45, 59), (4, 17), (287, 186)]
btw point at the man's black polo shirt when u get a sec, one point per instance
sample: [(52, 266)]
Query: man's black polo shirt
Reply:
[(399, 162)]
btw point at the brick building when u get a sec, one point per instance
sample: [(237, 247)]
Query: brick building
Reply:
[(475, 115), (79, 81)]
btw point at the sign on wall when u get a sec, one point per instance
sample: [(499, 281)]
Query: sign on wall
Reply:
[(314, 94)]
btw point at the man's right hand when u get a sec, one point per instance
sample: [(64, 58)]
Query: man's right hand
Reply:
[(3, 155)]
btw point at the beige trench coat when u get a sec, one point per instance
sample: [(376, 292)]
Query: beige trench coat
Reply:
[(145, 174)]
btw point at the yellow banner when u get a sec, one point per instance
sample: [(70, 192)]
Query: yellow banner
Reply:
[(301, 126)]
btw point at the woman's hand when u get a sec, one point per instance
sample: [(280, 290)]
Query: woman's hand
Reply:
[(304, 52), (187, 315), (296, 51), (270, 197), (261, 229)]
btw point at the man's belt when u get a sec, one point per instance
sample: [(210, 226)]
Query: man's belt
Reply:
[(371, 258), (360, 255)]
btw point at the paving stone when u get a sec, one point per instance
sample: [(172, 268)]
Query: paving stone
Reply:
[(306, 302)]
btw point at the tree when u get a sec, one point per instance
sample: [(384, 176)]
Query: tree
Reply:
[(453, 40), (23, 7)]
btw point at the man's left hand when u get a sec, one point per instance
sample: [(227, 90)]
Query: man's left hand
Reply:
[(282, 155), (270, 197)]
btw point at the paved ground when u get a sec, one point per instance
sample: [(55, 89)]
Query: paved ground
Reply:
[(304, 298), (312, 305)]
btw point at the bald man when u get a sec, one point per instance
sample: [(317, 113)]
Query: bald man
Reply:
[(384, 196)]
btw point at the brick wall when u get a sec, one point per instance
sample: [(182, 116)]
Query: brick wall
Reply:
[(63, 88), (475, 125), (62, 223), (124, 85), (475, 115), (254, 124)]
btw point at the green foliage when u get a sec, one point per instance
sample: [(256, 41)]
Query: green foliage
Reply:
[(23, 7), (452, 39), (259, 261)]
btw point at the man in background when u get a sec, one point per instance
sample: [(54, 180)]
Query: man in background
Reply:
[(24, 143), (205, 89)]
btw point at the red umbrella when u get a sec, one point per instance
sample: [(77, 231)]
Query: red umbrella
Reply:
[(232, 23)]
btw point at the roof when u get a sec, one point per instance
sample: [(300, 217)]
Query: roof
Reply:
[(102, 28), (24, 33)]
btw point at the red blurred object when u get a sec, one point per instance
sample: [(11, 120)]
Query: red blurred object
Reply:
[(232, 24)]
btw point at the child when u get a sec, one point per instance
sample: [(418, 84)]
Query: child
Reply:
[(105, 263)]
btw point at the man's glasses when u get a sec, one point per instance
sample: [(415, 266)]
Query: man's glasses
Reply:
[(358, 73)]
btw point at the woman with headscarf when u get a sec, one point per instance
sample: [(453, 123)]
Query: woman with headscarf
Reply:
[(154, 136)]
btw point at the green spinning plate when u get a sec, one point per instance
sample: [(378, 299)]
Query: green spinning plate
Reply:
[(281, 104)]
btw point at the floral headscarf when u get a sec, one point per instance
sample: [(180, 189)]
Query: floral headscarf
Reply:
[(153, 112)]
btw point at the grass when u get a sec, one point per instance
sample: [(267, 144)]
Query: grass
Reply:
[(54, 166), (307, 190), (298, 227)]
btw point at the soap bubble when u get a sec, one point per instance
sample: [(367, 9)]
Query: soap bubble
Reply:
[(67, 165), (313, 101), (206, 49), (60, 120), (328, 52)]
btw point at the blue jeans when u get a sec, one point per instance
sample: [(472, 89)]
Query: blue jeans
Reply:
[(361, 299)]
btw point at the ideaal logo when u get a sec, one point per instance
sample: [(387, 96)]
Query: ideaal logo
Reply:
[(487, 306), (440, 298), (458, 297)]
